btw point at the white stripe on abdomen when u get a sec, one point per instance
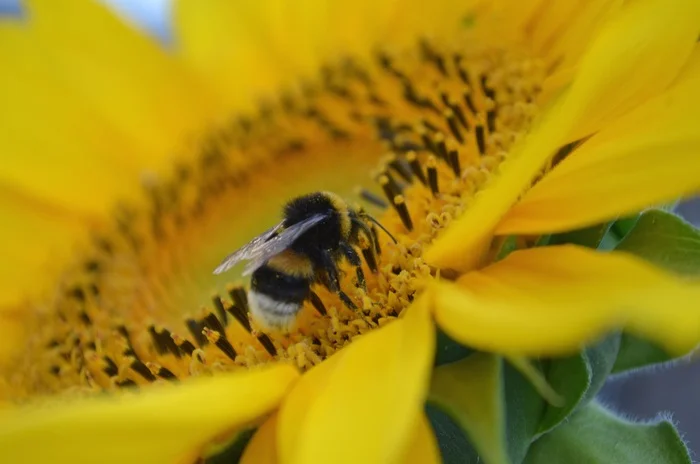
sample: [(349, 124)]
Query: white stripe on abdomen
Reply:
[(272, 314)]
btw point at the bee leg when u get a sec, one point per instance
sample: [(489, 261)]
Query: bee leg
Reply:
[(333, 282), (346, 300), (360, 277), (354, 259), (372, 251), (370, 259), (376, 240), (318, 304)]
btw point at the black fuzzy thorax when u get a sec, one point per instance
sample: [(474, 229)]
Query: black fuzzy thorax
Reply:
[(326, 235)]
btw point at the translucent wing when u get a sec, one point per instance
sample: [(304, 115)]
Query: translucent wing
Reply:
[(248, 250), (267, 245), (281, 242)]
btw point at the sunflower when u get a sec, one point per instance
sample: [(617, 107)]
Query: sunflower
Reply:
[(467, 125)]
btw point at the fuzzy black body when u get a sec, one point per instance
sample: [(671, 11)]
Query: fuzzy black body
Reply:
[(326, 235), (281, 285), (276, 297)]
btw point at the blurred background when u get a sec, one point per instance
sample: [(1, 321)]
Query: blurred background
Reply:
[(670, 390)]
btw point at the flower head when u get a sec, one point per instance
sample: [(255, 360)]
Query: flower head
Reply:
[(451, 126)]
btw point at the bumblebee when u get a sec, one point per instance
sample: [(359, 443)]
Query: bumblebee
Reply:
[(318, 231)]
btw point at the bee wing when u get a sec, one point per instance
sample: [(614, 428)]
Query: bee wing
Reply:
[(281, 242), (247, 251), (267, 245)]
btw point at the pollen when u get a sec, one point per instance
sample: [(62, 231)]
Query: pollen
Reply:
[(428, 126)]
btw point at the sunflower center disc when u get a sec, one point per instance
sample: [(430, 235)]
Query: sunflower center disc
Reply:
[(140, 305)]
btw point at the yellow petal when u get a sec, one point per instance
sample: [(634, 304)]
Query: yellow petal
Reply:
[(405, 21), (54, 145), (226, 44), (463, 244), (647, 157), (563, 48), (12, 333), (513, 16), (34, 237), (556, 32), (641, 51), (259, 37), (566, 36), (422, 446), (551, 21), (262, 448), (522, 24), (127, 77), (361, 404), (552, 300), (635, 56), (294, 411), (162, 424)]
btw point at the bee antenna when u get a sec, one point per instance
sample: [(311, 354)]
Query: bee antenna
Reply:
[(380, 226)]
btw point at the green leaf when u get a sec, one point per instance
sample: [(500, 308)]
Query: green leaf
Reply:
[(590, 237), (624, 225), (609, 242), (578, 378), (509, 245), (536, 378), (524, 407), (599, 236), (543, 240), (636, 353), (470, 392), (569, 377), (491, 404), (454, 446), (594, 435), (665, 240), (600, 359), (448, 350)]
